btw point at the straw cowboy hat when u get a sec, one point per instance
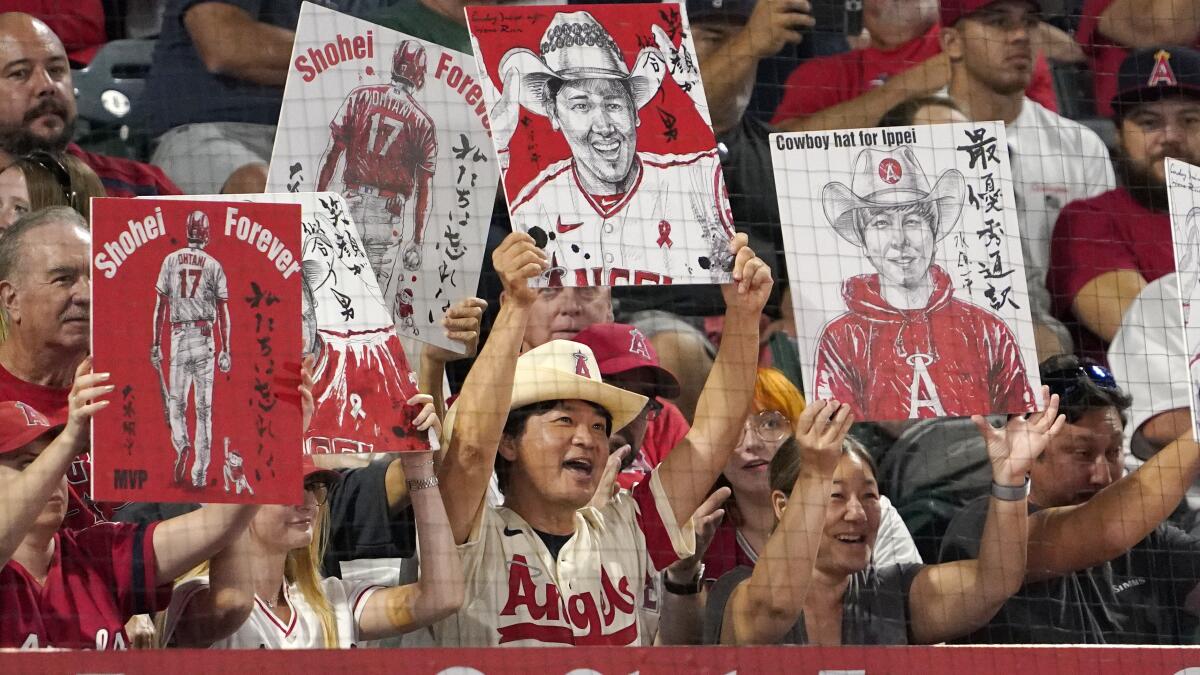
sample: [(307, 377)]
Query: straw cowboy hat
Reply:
[(575, 47), (565, 370), (883, 179)]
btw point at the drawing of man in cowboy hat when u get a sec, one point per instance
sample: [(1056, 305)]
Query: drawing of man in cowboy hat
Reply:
[(906, 348), (610, 214)]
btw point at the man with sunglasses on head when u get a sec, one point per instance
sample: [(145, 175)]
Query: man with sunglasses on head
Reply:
[(1103, 566), (37, 108), (1106, 249)]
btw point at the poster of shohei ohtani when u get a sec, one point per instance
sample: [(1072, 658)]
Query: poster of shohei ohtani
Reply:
[(196, 312), (397, 126), (605, 144), (362, 377), (907, 278), (1183, 192)]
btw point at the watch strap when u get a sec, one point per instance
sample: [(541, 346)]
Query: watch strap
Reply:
[(1010, 493)]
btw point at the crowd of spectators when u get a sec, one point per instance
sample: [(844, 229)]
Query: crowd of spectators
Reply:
[(640, 468)]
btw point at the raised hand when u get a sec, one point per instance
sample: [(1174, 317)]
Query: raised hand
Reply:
[(819, 432), (517, 260), (776, 23), (751, 279), (427, 418), (705, 520), (608, 480), (85, 399), (462, 323), (1014, 448)]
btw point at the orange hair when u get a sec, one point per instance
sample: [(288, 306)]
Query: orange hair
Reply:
[(773, 391)]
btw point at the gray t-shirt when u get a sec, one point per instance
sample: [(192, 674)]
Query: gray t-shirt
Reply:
[(874, 608)]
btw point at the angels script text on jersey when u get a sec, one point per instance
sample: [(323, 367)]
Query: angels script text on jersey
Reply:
[(135, 235), (316, 61), (262, 239)]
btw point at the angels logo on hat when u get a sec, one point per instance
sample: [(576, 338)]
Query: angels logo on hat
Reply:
[(576, 47), (885, 179), (21, 424), (1147, 75), (621, 348)]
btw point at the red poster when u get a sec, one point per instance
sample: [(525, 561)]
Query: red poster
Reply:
[(196, 311)]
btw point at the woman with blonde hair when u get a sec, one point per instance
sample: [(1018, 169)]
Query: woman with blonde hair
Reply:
[(40, 179), (265, 590)]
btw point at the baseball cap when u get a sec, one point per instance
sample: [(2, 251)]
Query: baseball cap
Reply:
[(21, 424), (953, 10), (732, 10), (563, 370), (311, 470), (621, 348), (1149, 74)]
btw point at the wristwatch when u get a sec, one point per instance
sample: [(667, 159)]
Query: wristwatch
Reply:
[(690, 588), (1010, 493)]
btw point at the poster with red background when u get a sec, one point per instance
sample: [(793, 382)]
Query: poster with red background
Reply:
[(664, 220), (208, 416)]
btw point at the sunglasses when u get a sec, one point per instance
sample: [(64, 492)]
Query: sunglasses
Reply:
[(653, 408), (319, 490), (1067, 381), (56, 168)]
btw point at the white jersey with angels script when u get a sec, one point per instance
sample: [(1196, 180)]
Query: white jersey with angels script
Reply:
[(193, 282), (666, 229), (264, 630), (519, 596)]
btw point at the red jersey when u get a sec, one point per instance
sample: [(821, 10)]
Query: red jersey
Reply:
[(51, 401), (1108, 232), (947, 358), (662, 433), (824, 82), (125, 177), (388, 139), (726, 552), (98, 578)]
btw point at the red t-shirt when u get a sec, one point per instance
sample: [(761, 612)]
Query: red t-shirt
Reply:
[(725, 552), (125, 177), (98, 578), (662, 434), (822, 83), (51, 401), (1108, 232), (1105, 55)]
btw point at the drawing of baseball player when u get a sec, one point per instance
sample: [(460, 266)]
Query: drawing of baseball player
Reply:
[(390, 149), (611, 214), (193, 294)]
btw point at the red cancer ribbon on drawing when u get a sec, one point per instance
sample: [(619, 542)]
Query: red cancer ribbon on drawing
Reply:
[(664, 234)]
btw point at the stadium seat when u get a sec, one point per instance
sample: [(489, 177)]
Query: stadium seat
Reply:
[(106, 91)]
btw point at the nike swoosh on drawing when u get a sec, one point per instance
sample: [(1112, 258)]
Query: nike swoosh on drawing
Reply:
[(564, 228)]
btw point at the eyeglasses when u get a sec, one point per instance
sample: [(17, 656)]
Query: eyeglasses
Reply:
[(1066, 381), (319, 490), (771, 426), (653, 408), (56, 168)]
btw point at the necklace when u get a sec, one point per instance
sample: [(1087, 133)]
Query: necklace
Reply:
[(273, 601)]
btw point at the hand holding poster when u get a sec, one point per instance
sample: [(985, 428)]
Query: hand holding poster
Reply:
[(362, 378), (1183, 192), (920, 310), (609, 159), (397, 126), (195, 312)]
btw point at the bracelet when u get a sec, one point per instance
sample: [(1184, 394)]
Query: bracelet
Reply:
[(1010, 493), (421, 483), (416, 466), (690, 588)]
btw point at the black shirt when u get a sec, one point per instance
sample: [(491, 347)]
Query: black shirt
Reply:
[(1136, 598), (360, 523)]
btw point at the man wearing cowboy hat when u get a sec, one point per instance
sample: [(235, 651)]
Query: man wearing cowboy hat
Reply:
[(610, 215), (906, 347), (546, 568)]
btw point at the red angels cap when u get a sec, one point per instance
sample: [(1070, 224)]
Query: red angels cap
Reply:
[(620, 348), (21, 424), (311, 470), (953, 10)]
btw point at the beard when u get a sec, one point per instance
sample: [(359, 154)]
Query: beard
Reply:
[(20, 140), (1145, 188)]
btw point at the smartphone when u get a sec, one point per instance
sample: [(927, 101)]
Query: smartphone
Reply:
[(838, 16)]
